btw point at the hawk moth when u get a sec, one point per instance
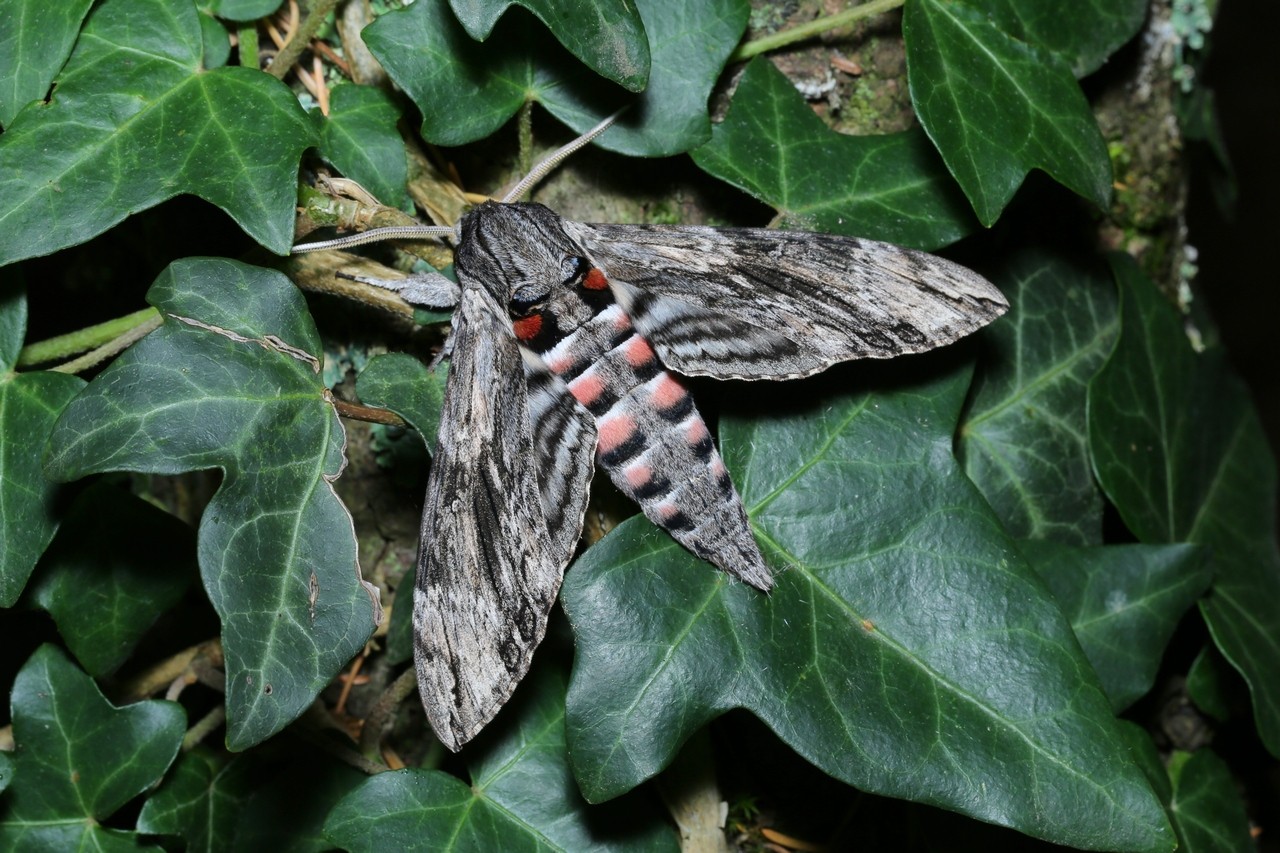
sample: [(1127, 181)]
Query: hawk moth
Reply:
[(567, 346)]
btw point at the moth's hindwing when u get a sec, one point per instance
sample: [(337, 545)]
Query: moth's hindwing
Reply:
[(489, 568), (747, 303)]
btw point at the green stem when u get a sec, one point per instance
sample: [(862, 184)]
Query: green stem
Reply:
[(247, 36), (55, 349), (317, 11), (813, 28)]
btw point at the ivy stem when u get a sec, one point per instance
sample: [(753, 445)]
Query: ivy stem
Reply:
[(524, 131), (317, 11), (204, 727), (813, 28), (80, 340), (115, 346), (247, 37), (376, 721)]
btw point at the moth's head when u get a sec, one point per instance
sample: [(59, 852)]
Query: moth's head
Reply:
[(521, 255)]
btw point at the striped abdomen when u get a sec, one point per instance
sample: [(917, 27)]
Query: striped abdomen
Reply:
[(654, 444)]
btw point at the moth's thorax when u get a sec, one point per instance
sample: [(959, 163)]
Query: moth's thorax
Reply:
[(542, 278)]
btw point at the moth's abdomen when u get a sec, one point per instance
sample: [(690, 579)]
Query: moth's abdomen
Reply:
[(655, 445)]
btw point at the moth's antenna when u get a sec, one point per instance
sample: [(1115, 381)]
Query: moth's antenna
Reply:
[(391, 232), (540, 171)]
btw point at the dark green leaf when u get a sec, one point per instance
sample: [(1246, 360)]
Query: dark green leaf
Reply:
[(36, 37), (79, 758), (607, 35), (522, 795), (998, 108), (403, 384), (243, 10), (118, 563), (1083, 33), (1179, 450), (6, 770), (891, 187), (1124, 602), (195, 804), (232, 381), (1024, 440), (907, 648), (1208, 681), (29, 404), (466, 90), (251, 803), (1206, 807), (136, 121), (215, 42), (359, 137)]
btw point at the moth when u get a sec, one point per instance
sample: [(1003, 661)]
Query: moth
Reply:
[(568, 347)]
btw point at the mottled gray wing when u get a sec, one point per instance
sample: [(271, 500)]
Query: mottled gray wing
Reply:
[(752, 303), (491, 559)]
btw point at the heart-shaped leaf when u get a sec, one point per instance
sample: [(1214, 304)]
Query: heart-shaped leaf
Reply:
[(29, 405), (1124, 602), (1179, 450), (997, 107), (607, 35), (232, 381), (891, 187), (79, 758), (251, 802), (1024, 439), (466, 90), (522, 795), (35, 39), (907, 648), (1207, 811), (118, 564), (135, 121), (359, 137)]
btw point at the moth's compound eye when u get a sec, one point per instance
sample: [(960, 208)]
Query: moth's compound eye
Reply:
[(571, 268), (525, 301)]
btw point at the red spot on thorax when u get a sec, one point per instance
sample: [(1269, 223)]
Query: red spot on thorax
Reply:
[(696, 432), (595, 280), (527, 328), (639, 352)]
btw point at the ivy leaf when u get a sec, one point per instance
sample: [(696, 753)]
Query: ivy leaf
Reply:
[(6, 770), (1024, 440), (1179, 450), (1207, 811), (232, 381), (29, 405), (1083, 33), (1212, 683), (135, 121), (249, 803), (359, 137), (903, 622), (892, 187), (79, 758), (607, 35), (118, 564), (35, 39), (466, 90), (1124, 602), (404, 385), (522, 795), (243, 10), (998, 108)]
